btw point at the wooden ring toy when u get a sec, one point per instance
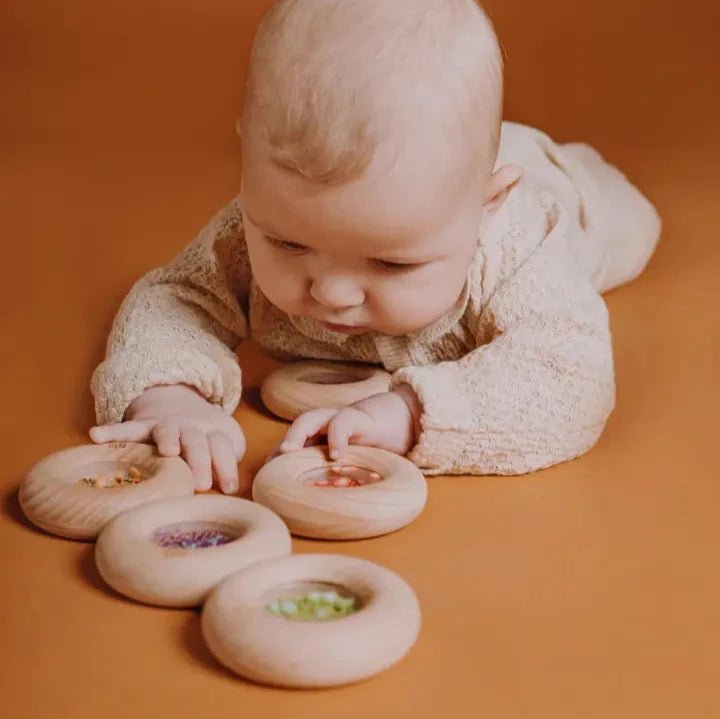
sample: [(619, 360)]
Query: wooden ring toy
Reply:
[(174, 551), (371, 492), (302, 386), (311, 620), (74, 492)]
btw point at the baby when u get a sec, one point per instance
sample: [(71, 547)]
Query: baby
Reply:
[(386, 215)]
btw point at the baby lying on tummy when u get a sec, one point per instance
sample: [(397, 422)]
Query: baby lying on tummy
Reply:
[(387, 215)]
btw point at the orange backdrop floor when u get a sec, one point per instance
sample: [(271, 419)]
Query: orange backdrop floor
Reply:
[(588, 590)]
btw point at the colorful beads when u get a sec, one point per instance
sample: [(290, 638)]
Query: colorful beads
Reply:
[(313, 606), (116, 479), (194, 539), (344, 476)]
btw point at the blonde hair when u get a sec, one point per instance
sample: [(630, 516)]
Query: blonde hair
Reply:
[(329, 79)]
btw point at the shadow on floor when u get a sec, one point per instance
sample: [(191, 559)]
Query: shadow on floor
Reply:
[(88, 572), (14, 511), (192, 641), (251, 397)]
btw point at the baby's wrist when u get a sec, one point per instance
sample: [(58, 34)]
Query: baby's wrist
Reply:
[(391, 414), (412, 401), (414, 410)]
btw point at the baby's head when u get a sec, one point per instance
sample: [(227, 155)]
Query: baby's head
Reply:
[(369, 133)]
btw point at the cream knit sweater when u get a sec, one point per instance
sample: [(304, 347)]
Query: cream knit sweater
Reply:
[(517, 376)]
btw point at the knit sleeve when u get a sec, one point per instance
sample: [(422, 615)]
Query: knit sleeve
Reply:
[(179, 323), (539, 391)]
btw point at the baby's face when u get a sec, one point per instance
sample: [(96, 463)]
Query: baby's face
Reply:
[(388, 253)]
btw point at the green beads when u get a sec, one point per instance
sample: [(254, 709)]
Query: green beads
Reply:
[(316, 605)]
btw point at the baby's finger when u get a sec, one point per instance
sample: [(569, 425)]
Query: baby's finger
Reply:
[(132, 431), (340, 430), (224, 463), (309, 442), (235, 434), (239, 445), (195, 449), (305, 426), (166, 436)]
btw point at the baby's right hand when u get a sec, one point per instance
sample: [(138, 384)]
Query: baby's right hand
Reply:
[(179, 420)]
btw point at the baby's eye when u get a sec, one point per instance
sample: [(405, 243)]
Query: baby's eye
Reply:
[(285, 246), (396, 267)]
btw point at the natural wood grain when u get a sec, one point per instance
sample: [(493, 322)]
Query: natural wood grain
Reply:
[(301, 386), (54, 497), (131, 560), (342, 513), (266, 648)]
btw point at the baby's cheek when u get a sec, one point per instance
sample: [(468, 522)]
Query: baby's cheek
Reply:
[(409, 307), (403, 309)]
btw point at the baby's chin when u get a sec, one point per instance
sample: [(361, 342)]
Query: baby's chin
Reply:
[(392, 329)]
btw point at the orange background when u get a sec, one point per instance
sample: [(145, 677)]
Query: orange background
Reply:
[(588, 590)]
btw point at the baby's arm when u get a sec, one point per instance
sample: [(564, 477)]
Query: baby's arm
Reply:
[(539, 392), (177, 327)]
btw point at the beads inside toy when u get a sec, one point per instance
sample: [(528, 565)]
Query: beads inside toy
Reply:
[(340, 476), (313, 601), (110, 475), (193, 535)]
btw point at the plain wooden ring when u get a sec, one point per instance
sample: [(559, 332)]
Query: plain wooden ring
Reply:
[(53, 496), (342, 513), (249, 640), (131, 559), (286, 394)]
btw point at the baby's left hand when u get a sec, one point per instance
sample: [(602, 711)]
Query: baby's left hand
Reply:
[(386, 420)]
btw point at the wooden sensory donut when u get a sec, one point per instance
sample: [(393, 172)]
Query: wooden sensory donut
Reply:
[(174, 551), (387, 493), (301, 386), (250, 626), (74, 492)]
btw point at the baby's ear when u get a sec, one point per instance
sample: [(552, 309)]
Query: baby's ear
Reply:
[(500, 184)]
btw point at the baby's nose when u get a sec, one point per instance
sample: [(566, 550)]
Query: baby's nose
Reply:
[(336, 292)]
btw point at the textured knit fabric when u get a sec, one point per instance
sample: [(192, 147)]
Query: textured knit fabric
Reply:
[(517, 376)]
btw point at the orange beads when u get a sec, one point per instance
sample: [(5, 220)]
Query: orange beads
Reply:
[(345, 476)]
